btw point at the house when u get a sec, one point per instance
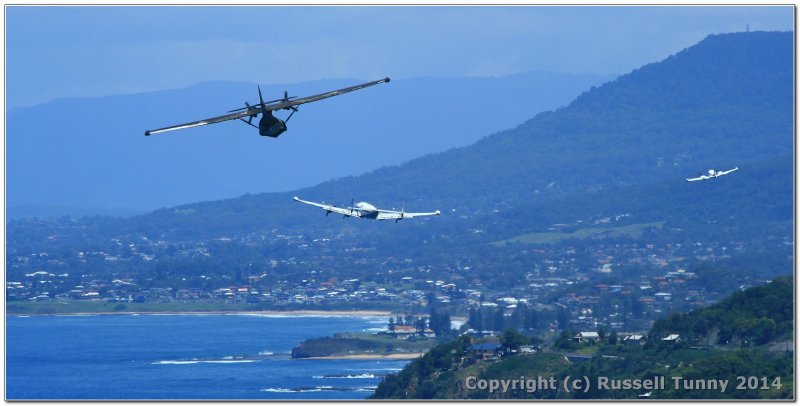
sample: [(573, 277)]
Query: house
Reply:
[(90, 294), (584, 336), (634, 339), (663, 296), (484, 350), (671, 338), (404, 331)]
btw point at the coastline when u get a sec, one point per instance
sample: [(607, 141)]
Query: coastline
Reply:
[(410, 355), (276, 313)]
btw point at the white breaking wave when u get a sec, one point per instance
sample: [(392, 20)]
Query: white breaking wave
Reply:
[(361, 376), (228, 361), (278, 390), (77, 315), (299, 390), (210, 361), (319, 389), (367, 389), (376, 329), (348, 376), (174, 362), (185, 314), (367, 319), (293, 316), (381, 321)]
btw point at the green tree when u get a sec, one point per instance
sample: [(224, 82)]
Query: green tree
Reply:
[(513, 339), (499, 319), (475, 321)]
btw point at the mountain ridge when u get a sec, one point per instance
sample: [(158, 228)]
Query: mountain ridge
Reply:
[(575, 170), (103, 159), (519, 164)]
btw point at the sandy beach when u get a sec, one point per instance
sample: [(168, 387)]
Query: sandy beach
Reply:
[(326, 312), (279, 313)]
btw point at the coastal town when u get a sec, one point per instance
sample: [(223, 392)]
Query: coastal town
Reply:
[(619, 286)]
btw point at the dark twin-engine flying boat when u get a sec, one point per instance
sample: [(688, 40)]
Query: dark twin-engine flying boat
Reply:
[(269, 125)]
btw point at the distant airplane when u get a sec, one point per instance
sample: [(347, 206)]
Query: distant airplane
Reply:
[(269, 125), (367, 211), (712, 174)]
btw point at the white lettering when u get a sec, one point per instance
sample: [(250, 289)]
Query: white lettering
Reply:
[(468, 380)]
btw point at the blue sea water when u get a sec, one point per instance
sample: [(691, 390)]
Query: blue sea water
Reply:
[(182, 357)]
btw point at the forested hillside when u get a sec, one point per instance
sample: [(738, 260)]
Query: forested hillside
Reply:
[(763, 313), (755, 316), (695, 118), (105, 161), (591, 194)]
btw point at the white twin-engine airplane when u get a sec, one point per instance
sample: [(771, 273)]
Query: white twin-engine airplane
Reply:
[(367, 211), (712, 174)]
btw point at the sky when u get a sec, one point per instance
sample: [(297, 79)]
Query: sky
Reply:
[(89, 51)]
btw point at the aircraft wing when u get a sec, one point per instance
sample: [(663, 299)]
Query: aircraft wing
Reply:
[(702, 177), (399, 215), (309, 99), (329, 208), (253, 110), (728, 171), (213, 120)]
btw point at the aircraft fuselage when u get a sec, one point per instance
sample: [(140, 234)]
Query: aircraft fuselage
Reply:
[(366, 210), (271, 126)]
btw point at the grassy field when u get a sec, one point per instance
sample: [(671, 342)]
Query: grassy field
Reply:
[(359, 345), (631, 230), (421, 345)]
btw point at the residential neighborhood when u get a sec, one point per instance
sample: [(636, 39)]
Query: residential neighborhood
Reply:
[(581, 286)]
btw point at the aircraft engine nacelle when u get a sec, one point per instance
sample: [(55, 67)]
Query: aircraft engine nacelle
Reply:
[(711, 172), (271, 126)]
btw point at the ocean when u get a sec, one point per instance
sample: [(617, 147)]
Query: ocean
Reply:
[(138, 357)]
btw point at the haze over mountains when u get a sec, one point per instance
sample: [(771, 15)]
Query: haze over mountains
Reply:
[(621, 149), (725, 102), (617, 156), (88, 156)]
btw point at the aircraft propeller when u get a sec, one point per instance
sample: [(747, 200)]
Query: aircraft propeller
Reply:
[(292, 108), (285, 98), (402, 213), (351, 208), (272, 126), (263, 106)]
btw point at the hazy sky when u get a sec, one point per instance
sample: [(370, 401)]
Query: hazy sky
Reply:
[(67, 51)]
